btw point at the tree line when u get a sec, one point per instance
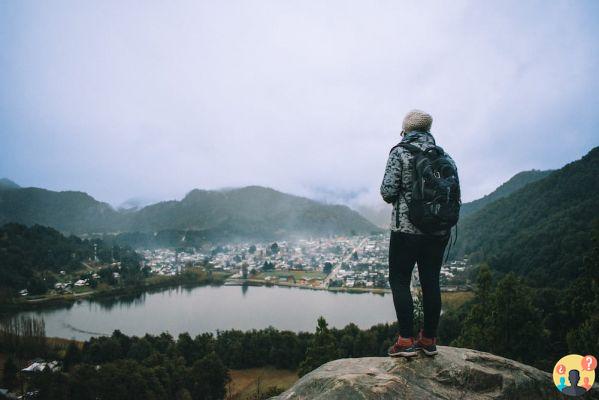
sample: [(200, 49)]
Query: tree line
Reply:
[(32, 257), (507, 317)]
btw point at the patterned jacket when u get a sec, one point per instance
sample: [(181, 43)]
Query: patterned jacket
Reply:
[(397, 182)]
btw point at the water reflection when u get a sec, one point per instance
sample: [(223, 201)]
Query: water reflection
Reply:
[(211, 308)]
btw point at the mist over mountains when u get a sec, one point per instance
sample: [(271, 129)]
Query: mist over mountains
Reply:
[(252, 211), (533, 208)]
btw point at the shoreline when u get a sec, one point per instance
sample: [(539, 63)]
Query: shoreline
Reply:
[(261, 282), (217, 279), (48, 301)]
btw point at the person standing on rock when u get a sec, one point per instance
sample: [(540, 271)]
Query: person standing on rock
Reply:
[(421, 182)]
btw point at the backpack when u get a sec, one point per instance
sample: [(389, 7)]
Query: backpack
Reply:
[(435, 203)]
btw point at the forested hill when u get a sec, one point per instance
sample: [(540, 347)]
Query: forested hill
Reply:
[(252, 211), (72, 212), (515, 183), (541, 231), (236, 213), (8, 184), (31, 257)]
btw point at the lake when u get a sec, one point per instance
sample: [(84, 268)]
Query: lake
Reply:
[(212, 308)]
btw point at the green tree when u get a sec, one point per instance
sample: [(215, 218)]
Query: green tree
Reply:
[(515, 326), (584, 339), (418, 311), (504, 321), (9, 379), (473, 332), (208, 378), (274, 248), (72, 356), (322, 348)]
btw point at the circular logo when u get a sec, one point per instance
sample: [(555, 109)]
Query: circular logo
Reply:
[(574, 374)]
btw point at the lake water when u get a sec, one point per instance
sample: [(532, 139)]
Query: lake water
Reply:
[(211, 308)]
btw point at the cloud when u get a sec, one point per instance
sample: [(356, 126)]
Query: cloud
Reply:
[(152, 99)]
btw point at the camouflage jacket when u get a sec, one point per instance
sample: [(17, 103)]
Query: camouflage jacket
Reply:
[(397, 182)]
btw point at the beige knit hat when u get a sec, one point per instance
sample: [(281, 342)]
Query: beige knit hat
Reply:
[(417, 120)]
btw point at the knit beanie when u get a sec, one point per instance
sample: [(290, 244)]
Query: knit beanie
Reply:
[(417, 120)]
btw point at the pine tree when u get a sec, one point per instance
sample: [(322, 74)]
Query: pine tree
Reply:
[(515, 327), (584, 339), (10, 374), (209, 378), (322, 348), (474, 330)]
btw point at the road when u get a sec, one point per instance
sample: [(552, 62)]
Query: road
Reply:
[(339, 264)]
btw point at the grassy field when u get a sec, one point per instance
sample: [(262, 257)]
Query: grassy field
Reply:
[(453, 300), (245, 382)]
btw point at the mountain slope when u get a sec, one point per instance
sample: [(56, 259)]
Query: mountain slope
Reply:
[(250, 211), (515, 183), (541, 231), (74, 212), (247, 212), (6, 183)]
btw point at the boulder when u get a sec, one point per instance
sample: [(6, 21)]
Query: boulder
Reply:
[(454, 373)]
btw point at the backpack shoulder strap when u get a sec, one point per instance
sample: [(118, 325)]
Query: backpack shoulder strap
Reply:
[(411, 148)]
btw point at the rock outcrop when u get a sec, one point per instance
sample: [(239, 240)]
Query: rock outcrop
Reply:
[(453, 374)]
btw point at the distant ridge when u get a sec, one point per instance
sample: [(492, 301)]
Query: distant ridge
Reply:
[(6, 183), (252, 211), (515, 183)]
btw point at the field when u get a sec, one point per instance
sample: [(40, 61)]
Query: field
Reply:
[(453, 300), (246, 382)]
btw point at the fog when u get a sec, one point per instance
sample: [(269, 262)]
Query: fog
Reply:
[(151, 99)]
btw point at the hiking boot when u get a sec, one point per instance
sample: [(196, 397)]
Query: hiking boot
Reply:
[(427, 345), (403, 347)]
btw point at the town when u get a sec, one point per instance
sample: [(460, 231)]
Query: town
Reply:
[(355, 263)]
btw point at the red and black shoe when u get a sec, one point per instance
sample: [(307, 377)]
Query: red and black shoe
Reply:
[(427, 345), (403, 347)]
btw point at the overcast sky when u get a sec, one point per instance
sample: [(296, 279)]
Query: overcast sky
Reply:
[(148, 99)]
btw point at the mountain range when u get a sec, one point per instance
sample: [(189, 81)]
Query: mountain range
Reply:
[(252, 211), (537, 223)]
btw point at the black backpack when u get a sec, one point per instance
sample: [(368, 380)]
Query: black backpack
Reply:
[(435, 203)]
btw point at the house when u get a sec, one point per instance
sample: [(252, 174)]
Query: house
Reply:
[(39, 365)]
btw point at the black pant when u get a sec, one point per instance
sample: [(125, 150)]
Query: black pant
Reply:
[(427, 251)]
